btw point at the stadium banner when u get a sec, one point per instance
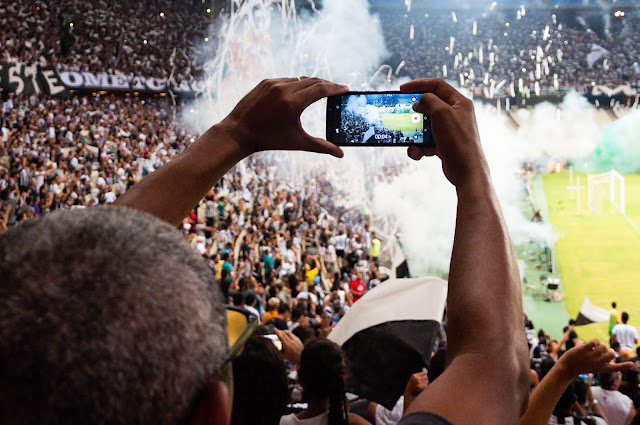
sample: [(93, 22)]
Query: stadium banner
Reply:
[(104, 81), (31, 79), (28, 79), (625, 90)]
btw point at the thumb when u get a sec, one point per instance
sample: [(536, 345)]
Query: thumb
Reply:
[(619, 367), (320, 145), (430, 104)]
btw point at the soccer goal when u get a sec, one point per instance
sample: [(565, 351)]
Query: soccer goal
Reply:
[(606, 190)]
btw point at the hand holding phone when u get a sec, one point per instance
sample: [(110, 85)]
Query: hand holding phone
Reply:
[(377, 119)]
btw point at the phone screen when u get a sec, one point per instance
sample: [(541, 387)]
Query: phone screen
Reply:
[(377, 119)]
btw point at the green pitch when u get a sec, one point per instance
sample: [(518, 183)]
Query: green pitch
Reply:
[(598, 254), (400, 122)]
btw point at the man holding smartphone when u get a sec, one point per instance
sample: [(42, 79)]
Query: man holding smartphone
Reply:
[(484, 300), (483, 384)]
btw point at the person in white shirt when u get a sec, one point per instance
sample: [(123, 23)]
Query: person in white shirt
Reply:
[(626, 335), (617, 407), (341, 246)]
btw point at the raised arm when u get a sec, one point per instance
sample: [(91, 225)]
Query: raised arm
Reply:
[(268, 118), (557, 346), (487, 377), (592, 357)]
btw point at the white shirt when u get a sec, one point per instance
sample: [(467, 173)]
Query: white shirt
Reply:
[(109, 197), (626, 335), (385, 416), (252, 311), (321, 419), (308, 296), (615, 405), (341, 242)]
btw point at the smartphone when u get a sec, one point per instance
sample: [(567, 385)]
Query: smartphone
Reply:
[(275, 340), (377, 119)]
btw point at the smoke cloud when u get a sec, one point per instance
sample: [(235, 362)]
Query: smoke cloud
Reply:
[(344, 43)]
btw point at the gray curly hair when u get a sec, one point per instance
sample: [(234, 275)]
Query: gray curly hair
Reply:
[(107, 317)]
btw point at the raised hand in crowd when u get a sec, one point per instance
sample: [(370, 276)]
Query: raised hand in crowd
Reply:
[(592, 357), (417, 383), (291, 345)]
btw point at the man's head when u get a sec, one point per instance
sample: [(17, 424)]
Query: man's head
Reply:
[(250, 300), (284, 312), (273, 303), (107, 316), (614, 305), (625, 317), (610, 381)]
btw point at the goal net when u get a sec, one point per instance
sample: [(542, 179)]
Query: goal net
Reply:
[(605, 192)]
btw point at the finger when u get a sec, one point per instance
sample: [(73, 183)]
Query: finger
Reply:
[(602, 349), (618, 367), (317, 91), (606, 357), (436, 86), (592, 344), (432, 105), (416, 153), (319, 145), (284, 80), (280, 334), (304, 82)]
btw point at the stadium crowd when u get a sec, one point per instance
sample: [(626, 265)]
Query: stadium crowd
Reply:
[(283, 251), (158, 38), (542, 46), (289, 253), (152, 38)]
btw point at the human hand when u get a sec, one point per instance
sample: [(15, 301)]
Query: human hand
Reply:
[(455, 132), (417, 383), (291, 345), (268, 118), (592, 357)]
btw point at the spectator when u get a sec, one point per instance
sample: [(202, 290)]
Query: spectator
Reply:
[(626, 335), (259, 364), (272, 310), (553, 399), (357, 287), (322, 376), (572, 340), (616, 406)]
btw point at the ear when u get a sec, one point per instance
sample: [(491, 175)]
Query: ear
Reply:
[(213, 406)]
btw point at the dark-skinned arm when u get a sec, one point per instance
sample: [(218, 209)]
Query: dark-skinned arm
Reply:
[(486, 342), (268, 118)]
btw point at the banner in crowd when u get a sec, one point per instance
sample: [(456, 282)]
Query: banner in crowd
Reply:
[(103, 81), (29, 79), (625, 90)]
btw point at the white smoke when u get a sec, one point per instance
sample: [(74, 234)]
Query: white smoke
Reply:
[(568, 130), (268, 39), (358, 105), (344, 43), (423, 202)]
